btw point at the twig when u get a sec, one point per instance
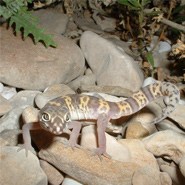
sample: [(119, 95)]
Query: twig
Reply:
[(173, 24)]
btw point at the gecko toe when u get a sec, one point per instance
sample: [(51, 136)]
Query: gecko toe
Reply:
[(27, 149), (100, 152)]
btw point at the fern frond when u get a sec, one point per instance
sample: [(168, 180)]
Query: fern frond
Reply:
[(25, 20), (17, 13)]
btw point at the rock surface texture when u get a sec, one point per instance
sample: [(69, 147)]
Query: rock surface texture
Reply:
[(110, 63), (38, 66)]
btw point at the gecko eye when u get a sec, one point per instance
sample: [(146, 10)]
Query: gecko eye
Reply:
[(45, 116), (67, 118)]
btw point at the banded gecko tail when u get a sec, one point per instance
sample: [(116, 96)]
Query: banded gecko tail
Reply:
[(171, 98), (168, 91)]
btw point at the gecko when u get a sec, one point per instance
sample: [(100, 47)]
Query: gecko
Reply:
[(67, 113)]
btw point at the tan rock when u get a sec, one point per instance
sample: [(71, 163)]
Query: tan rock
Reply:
[(70, 181), (178, 115), (174, 173), (5, 106), (114, 148), (139, 154), (110, 63), (53, 175), (150, 176), (86, 168), (168, 143), (38, 66), (182, 166), (136, 130), (16, 168)]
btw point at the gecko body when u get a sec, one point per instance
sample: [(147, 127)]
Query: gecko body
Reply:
[(67, 112)]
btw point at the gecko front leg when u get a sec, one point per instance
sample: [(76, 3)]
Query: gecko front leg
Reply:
[(26, 136), (102, 122), (76, 127)]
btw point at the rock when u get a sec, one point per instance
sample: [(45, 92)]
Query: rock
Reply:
[(70, 181), (114, 148), (52, 20), (139, 154), (143, 177), (160, 52), (106, 23), (182, 166), (38, 66), (5, 106), (11, 120), (52, 92), (88, 79), (136, 130), (53, 175), (120, 43), (148, 81), (24, 98), (112, 90), (8, 92), (1, 87), (87, 24), (168, 125), (178, 115), (110, 64), (174, 173), (139, 125), (10, 137), (87, 169), (168, 143), (30, 114), (164, 47), (16, 168)]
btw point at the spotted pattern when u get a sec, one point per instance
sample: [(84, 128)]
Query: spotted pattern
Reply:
[(69, 102), (103, 106), (54, 103), (124, 108), (84, 103), (156, 90), (87, 107), (140, 98)]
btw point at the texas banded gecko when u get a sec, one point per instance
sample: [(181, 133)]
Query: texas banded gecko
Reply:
[(67, 112)]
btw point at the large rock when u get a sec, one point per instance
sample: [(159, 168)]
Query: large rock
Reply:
[(110, 63), (168, 144), (87, 169), (52, 20), (16, 168), (30, 66)]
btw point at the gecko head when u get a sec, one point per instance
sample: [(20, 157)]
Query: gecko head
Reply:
[(54, 120)]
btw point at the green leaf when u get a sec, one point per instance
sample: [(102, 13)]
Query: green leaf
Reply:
[(134, 4), (150, 58), (145, 2), (25, 20), (5, 12), (17, 13)]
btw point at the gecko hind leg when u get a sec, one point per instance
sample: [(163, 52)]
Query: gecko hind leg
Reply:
[(102, 122)]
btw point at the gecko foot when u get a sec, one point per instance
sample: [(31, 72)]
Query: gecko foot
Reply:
[(26, 148), (73, 145), (101, 152)]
